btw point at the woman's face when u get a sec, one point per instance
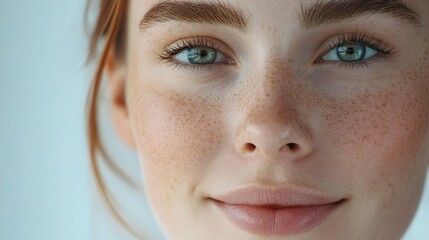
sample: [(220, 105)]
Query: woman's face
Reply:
[(280, 119)]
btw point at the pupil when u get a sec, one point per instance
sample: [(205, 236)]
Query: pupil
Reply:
[(350, 51), (203, 53)]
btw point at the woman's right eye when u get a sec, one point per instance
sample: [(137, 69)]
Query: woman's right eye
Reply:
[(199, 56), (196, 53)]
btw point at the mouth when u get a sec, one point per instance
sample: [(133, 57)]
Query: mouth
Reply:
[(279, 212)]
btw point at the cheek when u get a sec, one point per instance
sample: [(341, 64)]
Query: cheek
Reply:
[(177, 137), (381, 141), (380, 134)]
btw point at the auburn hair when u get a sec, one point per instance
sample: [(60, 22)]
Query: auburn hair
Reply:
[(108, 31)]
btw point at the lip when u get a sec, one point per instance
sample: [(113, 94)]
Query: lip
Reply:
[(276, 212)]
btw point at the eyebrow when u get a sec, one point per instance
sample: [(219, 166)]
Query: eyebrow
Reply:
[(340, 10), (212, 12), (319, 13)]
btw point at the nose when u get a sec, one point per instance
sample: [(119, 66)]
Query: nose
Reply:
[(273, 137), (273, 128)]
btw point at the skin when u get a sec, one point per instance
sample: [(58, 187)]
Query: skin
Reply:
[(362, 133)]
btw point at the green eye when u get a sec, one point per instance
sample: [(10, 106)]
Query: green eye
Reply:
[(199, 55), (350, 52)]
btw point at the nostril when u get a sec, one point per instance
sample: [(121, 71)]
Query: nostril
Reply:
[(293, 147), (249, 147)]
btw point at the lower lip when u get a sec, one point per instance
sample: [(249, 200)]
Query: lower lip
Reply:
[(268, 222)]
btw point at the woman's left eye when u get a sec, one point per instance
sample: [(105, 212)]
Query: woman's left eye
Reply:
[(349, 52), (200, 56)]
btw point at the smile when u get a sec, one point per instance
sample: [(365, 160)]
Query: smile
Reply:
[(281, 212)]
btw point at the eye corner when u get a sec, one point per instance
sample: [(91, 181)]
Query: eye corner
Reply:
[(319, 59)]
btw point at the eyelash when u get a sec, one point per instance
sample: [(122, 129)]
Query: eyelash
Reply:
[(170, 51), (382, 49), (356, 37)]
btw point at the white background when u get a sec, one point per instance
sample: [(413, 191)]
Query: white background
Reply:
[(45, 190)]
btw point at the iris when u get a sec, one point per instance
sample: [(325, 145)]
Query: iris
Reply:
[(352, 52)]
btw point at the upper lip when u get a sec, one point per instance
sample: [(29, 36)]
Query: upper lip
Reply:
[(276, 198)]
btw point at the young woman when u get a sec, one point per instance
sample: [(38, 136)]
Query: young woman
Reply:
[(300, 119)]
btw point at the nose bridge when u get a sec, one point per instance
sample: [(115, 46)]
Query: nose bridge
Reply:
[(271, 125), (268, 83), (272, 97)]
